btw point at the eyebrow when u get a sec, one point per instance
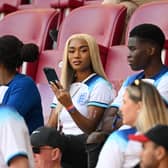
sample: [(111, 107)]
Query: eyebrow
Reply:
[(83, 46)]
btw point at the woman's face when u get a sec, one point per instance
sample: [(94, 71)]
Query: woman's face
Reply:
[(79, 56), (129, 110)]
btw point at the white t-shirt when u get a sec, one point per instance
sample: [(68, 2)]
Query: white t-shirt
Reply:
[(94, 91), (15, 140), (118, 151)]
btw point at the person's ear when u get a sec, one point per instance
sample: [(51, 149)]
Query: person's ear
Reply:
[(56, 154), (160, 152), (151, 50)]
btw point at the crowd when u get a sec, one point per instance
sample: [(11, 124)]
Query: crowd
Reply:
[(90, 125)]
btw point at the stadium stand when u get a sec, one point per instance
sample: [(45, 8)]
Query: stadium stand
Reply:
[(31, 26)]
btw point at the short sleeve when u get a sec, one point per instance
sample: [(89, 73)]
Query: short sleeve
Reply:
[(101, 95)]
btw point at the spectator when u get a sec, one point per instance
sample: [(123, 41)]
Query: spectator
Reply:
[(142, 107), (47, 145), (15, 148), (155, 147), (83, 94), (145, 43), (18, 90)]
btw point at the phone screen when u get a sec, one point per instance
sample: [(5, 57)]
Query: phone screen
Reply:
[(50, 74)]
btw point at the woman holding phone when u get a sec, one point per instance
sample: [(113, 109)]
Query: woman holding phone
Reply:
[(81, 96)]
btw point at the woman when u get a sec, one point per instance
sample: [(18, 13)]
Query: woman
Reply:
[(83, 94), (17, 90), (143, 108)]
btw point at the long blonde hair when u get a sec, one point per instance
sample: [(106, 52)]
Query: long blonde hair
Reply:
[(153, 110), (67, 73)]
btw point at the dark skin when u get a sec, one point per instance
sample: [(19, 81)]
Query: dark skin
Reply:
[(143, 55), (79, 60)]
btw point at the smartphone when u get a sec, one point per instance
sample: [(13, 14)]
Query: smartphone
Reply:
[(50, 74)]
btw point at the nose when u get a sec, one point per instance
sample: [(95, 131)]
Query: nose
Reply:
[(76, 54)]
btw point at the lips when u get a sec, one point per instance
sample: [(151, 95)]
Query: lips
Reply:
[(76, 62)]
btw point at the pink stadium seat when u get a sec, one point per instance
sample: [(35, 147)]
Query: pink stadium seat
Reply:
[(106, 31), (117, 68), (48, 59), (155, 13), (46, 98), (31, 26)]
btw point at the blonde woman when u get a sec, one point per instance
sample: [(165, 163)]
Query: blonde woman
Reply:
[(143, 108), (83, 94)]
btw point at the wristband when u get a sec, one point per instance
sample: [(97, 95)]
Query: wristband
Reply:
[(71, 108)]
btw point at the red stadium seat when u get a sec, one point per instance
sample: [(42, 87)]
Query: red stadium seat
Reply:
[(155, 13), (48, 59), (117, 68), (31, 26), (46, 98)]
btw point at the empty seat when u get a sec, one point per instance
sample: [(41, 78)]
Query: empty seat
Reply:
[(31, 26)]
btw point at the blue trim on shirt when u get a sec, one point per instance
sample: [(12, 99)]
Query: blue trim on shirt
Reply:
[(99, 104), (141, 75)]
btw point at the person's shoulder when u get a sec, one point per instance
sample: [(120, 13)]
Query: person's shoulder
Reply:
[(8, 113), (23, 80)]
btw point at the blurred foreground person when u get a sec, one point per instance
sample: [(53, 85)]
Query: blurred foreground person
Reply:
[(15, 147)]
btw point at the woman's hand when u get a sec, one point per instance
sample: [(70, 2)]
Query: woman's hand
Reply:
[(63, 96)]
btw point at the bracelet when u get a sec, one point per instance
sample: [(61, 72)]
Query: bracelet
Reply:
[(71, 108)]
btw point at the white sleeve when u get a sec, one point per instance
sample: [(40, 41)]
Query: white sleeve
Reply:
[(163, 87), (110, 156), (118, 100), (102, 95), (14, 138)]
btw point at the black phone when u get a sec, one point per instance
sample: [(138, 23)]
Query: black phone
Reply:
[(50, 74)]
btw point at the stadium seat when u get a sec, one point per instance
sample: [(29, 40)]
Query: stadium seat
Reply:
[(46, 99), (31, 26), (117, 68), (155, 13)]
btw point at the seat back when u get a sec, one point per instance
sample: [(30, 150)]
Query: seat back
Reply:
[(117, 68), (31, 25), (46, 99), (48, 58), (42, 3), (104, 22), (154, 13)]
